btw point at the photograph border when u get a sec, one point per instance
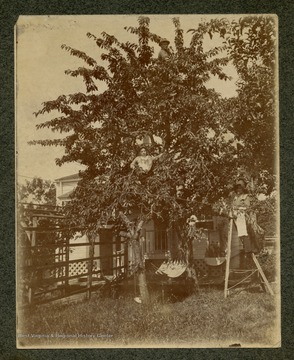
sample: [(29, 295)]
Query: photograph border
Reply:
[(8, 19)]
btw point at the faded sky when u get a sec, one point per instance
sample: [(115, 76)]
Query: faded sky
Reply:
[(40, 66)]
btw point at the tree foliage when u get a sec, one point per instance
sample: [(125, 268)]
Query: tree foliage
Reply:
[(256, 125), (167, 102), (37, 191)]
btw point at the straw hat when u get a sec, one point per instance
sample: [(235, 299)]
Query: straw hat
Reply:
[(164, 41)]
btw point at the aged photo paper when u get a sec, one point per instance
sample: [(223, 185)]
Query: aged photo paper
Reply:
[(147, 169)]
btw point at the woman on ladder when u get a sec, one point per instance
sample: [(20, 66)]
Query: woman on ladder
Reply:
[(245, 221)]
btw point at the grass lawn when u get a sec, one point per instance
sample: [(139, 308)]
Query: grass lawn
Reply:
[(204, 319)]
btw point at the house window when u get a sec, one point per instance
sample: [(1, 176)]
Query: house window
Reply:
[(161, 243)]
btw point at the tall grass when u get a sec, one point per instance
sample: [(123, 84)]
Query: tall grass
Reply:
[(203, 319)]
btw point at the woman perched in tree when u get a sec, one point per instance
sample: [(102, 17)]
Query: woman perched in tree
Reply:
[(144, 161), (164, 53)]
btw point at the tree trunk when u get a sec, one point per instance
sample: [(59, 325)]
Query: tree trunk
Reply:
[(140, 267), (186, 254), (134, 232), (191, 272), (143, 289)]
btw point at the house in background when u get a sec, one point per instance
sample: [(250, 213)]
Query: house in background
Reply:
[(77, 255), (157, 242), (64, 187), (155, 239)]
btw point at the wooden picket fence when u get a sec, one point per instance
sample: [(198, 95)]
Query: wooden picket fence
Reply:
[(45, 271)]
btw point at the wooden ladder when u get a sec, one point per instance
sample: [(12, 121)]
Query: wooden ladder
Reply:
[(251, 272)]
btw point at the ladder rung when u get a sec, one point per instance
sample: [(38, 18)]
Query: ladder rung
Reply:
[(241, 270)]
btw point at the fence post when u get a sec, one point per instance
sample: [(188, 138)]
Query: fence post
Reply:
[(114, 258), (90, 266), (228, 256), (126, 258), (33, 244), (66, 282)]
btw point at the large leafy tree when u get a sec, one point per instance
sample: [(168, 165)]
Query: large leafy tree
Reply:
[(251, 43), (167, 103), (164, 100), (37, 191)]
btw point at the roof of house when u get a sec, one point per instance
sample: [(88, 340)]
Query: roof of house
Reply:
[(69, 177), (65, 195)]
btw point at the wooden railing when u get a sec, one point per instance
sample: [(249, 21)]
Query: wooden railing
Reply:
[(47, 277), (45, 270)]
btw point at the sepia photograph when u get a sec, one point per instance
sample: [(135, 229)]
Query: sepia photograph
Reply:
[(147, 181)]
